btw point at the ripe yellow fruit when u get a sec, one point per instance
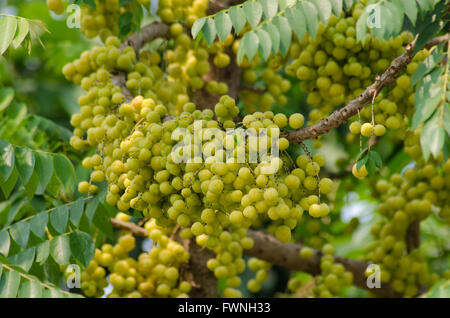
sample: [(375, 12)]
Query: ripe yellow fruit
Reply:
[(361, 173), (379, 130), (367, 130), (296, 120), (315, 210), (355, 127), (56, 6)]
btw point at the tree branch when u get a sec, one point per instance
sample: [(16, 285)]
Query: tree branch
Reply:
[(270, 249), (147, 34), (342, 115)]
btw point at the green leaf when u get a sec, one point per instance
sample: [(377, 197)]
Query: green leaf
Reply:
[(370, 166), (361, 27), (446, 117), (30, 289), (6, 97), (8, 25), (91, 208), (9, 284), (82, 246), (264, 43), (5, 242), (238, 18), (9, 185), (42, 252), (376, 158), (274, 36), (209, 31), (25, 163), (410, 7), (296, 21), (310, 13), (38, 223), (59, 218), (223, 25), (285, 32), (253, 11), (428, 64), (52, 293), (348, 4), (426, 5), (432, 137), (63, 168), (24, 259), (430, 26), (103, 221), (44, 168), (427, 96), (22, 30), (249, 46), (197, 26), (361, 153), (439, 290), (269, 8), (337, 7), (32, 185), (324, 9), (394, 27), (76, 211), (6, 159), (361, 162), (20, 232), (60, 249)]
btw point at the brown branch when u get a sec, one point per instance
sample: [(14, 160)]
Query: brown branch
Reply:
[(287, 255), (340, 116), (218, 5), (147, 34), (413, 236), (270, 249)]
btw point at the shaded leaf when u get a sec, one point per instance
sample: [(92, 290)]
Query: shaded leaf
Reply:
[(82, 247), (410, 8), (38, 223), (432, 137), (6, 97), (44, 168), (30, 289), (76, 211), (25, 163), (296, 21), (20, 232), (209, 31), (63, 168), (59, 218), (265, 43), (42, 252), (7, 159), (5, 242), (310, 13), (274, 36), (285, 32), (24, 259)]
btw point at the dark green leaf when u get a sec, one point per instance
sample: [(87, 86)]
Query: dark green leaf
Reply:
[(361, 162), (60, 249), (446, 118), (376, 158), (410, 7), (103, 221), (25, 163), (9, 284), (38, 223), (20, 232), (6, 159), (59, 218), (8, 186), (24, 259), (32, 185), (63, 168), (44, 168), (370, 166), (76, 211), (82, 247)]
